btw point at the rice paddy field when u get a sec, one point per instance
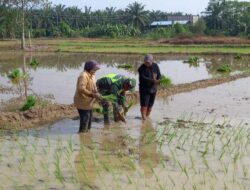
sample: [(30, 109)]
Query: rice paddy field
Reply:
[(197, 139)]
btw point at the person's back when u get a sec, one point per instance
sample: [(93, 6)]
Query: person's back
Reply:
[(116, 85), (110, 84)]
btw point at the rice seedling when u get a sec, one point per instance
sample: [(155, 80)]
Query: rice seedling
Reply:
[(58, 172), (245, 170), (172, 180), (238, 57), (15, 74), (193, 61), (124, 66), (224, 69), (34, 63), (30, 102)]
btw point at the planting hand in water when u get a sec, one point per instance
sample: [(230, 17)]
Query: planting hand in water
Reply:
[(113, 88)]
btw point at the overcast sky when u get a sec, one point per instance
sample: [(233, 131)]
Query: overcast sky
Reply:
[(185, 6)]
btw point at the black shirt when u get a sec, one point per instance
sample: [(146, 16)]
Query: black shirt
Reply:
[(146, 76)]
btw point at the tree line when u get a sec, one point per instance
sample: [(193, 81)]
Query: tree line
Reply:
[(39, 18)]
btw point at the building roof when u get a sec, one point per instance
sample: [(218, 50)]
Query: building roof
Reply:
[(168, 22), (161, 23)]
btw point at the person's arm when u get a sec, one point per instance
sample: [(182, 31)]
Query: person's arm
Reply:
[(158, 72), (143, 76)]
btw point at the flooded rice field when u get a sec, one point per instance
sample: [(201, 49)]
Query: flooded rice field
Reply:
[(194, 140)]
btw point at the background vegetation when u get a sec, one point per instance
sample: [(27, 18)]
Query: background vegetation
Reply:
[(39, 18)]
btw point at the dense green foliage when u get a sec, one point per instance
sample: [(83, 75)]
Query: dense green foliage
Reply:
[(228, 17), (221, 17)]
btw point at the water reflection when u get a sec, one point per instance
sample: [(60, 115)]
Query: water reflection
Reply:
[(101, 157), (148, 155)]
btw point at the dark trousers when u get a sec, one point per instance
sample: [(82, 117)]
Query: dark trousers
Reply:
[(105, 106), (85, 120), (147, 99)]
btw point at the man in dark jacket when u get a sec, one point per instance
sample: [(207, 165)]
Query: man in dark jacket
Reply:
[(149, 78), (117, 85)]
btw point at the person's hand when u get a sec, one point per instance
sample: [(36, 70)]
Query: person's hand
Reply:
[(155, 81), (125, 110), (97, 95)]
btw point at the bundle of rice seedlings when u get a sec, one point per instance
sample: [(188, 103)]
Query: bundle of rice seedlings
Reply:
[(165, 81), (238, 56), (224, 69), (34, 63), (30, 102), (193, 59), (110, 98), (124, 66), (15, 74)]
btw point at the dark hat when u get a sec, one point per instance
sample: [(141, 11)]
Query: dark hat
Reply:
[(91, 65), (149, 58)]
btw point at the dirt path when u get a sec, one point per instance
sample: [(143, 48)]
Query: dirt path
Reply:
[(54, 112)]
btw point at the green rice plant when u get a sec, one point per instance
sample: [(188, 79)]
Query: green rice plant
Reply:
[(165, 81), (58, 172), (124, 66), (224, 69), (245, 170), (193, 61), (238, 57), (98, 110), (30, 102), (15, 74), (171, 179), (110, 98), (34, 63)]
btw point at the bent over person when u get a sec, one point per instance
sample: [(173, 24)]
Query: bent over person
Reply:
[(149, 78), (117, 85)]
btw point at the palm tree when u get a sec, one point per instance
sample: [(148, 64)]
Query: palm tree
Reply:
[(137, 16), (59, 10)]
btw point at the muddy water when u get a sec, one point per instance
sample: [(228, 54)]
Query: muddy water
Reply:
[(140, 156), (158, 154), (57, 73)]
